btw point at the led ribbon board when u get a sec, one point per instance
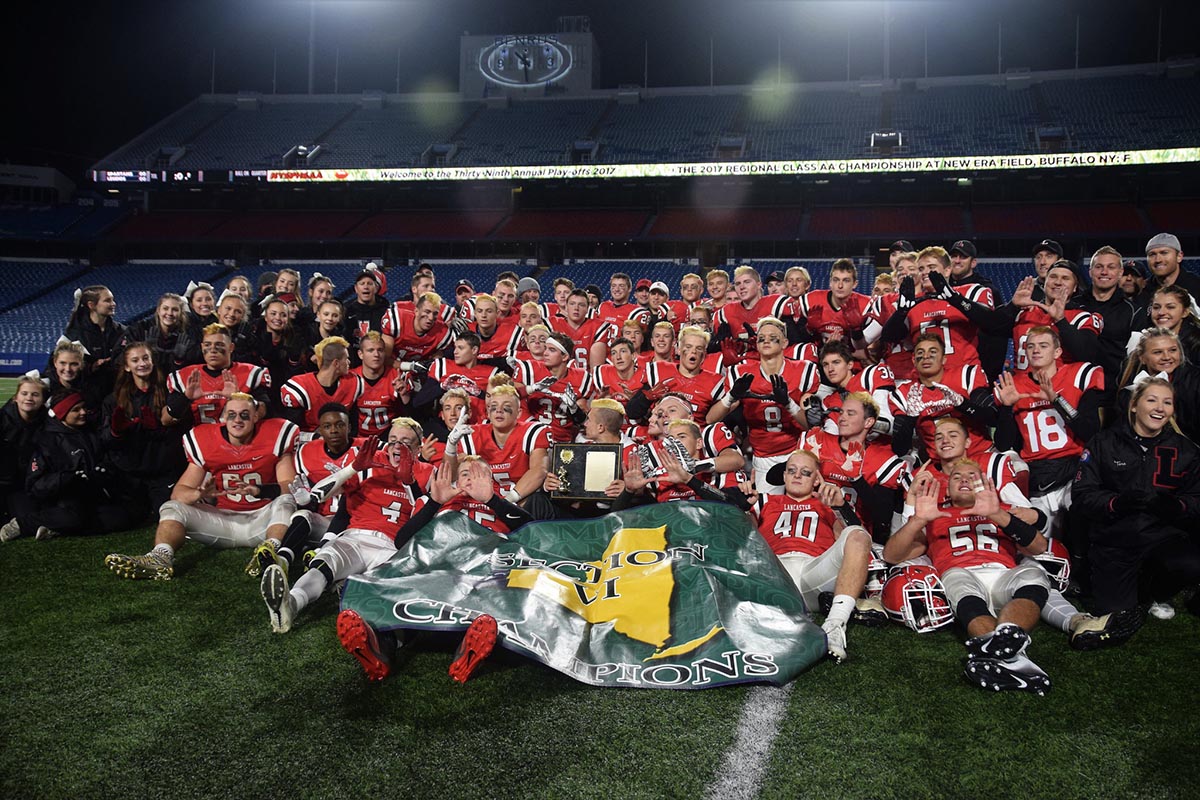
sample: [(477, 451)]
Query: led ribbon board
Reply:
[(856, 166)]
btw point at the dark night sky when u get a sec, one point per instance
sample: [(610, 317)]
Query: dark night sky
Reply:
[(86, 81)]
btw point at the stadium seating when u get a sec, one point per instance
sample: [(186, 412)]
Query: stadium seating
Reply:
[(1178, 216), (480, 272), (260, 138), (392, 136), (158, 226), (667, 129), (809, 124), (598, 271), (584, 224), (21, 280), (526, 133), (965, 120), (176, 130), (419, 225), (1126, 112), (40, 223), (1035, 221), (287, 225), (945, 222), (726, 223)]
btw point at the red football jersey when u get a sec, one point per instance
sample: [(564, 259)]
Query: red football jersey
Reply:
[(377, 501), (701, 390), (959, 334), (544, 407), (795, 526), (209, 405), (805, 351), (503, 342), (377, 404), (511, 460), (591, 331), (1033, 316), (409, 345), (1044, 432), (304, 391), (931, 402), (967, 540), (826, 322), (315, 464), (616, 315), (876, 463), (738, 316), (476, 511), (772, 430), (997, 466), (897, 355), (609, 383), (472, 379), (208, 446), (445, 313), (875, 378)]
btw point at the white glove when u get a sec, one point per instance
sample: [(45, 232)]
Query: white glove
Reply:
[(460, 430)]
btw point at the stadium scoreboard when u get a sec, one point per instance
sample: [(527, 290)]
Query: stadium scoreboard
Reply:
[(526, 64)]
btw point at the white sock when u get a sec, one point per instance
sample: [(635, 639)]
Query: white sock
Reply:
[(1058, 611), (166, 550), (308, 588), (839, 612)]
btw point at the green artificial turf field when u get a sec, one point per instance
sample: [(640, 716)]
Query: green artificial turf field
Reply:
[(179, 689)]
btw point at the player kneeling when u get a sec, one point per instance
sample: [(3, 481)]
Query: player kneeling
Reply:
[(240, 465), (820, 552), (974, 542)]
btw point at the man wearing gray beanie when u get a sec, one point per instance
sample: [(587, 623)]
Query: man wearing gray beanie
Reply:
[(1164, 256)]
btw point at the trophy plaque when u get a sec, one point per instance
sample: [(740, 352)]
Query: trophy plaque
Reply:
[(585, 470)]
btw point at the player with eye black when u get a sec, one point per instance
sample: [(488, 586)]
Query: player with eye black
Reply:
[(243, 466)]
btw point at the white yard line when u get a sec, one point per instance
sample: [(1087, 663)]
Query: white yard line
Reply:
[(741, 772)]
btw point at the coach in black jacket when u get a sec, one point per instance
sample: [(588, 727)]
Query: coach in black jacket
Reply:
[(1139, 487)]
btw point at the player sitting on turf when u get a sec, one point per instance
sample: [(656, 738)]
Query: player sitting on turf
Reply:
[(974, 542), (241, 465), (820, 551), (474, 496), (677, 480), (379, 500)]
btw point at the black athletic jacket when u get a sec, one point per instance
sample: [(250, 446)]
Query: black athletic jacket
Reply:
[(16, 445), (1118, 461)]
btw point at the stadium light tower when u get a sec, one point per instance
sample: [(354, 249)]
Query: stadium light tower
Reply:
[(312, 42)]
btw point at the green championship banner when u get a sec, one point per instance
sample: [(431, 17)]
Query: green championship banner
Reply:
[(675, 595)]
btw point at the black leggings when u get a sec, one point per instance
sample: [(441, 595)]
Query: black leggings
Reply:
[(1160, 570), (83, 518)]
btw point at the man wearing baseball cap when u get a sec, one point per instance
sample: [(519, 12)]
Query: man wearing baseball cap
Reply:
[(993, 348), (1164, 256), (898, 249), (1045, 253)]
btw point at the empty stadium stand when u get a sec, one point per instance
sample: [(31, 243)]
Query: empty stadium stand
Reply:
[(419, 225), (725, 223), (581, 224)]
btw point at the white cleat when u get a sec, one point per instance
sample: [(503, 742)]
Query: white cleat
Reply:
[(275, 594), (836, 636), (1162, 610)]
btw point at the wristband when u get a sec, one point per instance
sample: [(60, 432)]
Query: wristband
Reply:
[(727, 401), (1066, 409), (511, 495), (793, 408), (1020, 531)]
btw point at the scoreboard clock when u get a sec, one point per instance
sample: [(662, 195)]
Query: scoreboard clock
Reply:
[(520, 61), (521, 64)]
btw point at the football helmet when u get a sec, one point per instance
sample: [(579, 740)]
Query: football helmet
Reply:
[(1057, 563), (877, 570), (914, 596)]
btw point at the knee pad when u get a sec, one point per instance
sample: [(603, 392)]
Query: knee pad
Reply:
[(171, 511), (1034, 593), (969, 608)]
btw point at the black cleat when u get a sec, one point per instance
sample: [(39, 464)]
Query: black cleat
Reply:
[(1017, 674), (1109, 630), (1007, 641)]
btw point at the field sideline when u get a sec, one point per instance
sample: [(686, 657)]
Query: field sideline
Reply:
[(179, 689)]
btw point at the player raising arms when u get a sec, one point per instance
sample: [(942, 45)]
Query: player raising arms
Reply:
[(974, 542), (820, 551), (245, 466), (769, 391), (515, 450)]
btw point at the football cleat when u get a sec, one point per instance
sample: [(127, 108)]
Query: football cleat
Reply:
[(155, 565), (1110, 630), (476, 645), (266, 554), (1162, 611), (10, 531), (1016, 674), (835, 636), (369, 649), (275, 594), (44, 533), (869, 611), (1007, 641)]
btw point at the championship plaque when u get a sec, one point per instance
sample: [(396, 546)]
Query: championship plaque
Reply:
[(585, 470)]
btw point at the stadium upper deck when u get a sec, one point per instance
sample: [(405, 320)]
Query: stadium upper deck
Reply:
[(1126, 108)]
